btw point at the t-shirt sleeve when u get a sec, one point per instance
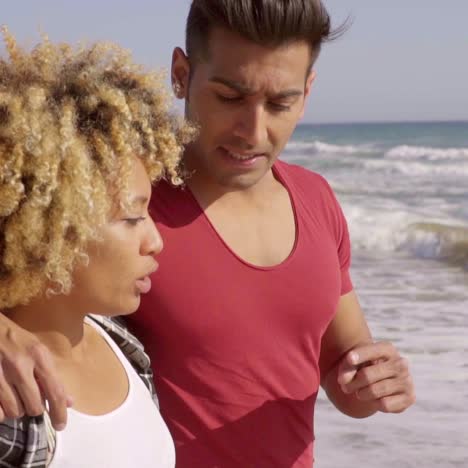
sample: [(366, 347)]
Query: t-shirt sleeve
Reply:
[(344, 254), (343, 243)]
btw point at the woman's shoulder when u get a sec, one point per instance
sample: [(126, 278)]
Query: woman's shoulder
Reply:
[(126, 341), (131, 348)]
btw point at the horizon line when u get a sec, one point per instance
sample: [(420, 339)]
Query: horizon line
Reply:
[(385, 122)]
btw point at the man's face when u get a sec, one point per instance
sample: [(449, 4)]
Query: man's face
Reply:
[(247, 100)]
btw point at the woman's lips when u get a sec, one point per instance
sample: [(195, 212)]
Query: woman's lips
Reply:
[(143, 285)]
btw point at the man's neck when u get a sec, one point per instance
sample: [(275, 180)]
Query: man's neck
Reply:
[(208, 192)]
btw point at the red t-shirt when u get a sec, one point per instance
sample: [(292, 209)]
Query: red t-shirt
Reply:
[(235, 347)]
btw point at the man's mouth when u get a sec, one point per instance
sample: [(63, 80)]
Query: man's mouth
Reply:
[(243, 157)]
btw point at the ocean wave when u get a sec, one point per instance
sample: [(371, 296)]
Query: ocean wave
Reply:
[(427, 153), (391, 229), (400, 152), (439, 241), (418, 168), (320, 147)]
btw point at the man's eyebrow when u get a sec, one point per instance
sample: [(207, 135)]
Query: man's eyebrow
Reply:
[(288, 93), (245, 90), (235, 85)]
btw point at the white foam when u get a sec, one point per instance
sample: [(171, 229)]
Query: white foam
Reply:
[(415, 168), (375, 229), (427, 153), (318, 147), (390, 226)]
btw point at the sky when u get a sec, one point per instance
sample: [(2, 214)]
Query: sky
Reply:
[(401, 60)]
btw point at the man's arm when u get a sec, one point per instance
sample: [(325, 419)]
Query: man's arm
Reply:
[(28, 377), (359, 376)]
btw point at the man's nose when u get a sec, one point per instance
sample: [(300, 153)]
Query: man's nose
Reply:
[(251, 126)]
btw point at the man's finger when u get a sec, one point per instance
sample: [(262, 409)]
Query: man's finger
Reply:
[(14, 408), (372, 352), (52, 390), (29, 393), (349, 367), (382, 389), (11, 404), (379, 371), (57, 407), (23, 385), (395, 403)]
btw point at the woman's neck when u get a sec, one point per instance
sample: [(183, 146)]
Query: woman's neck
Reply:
[(87, 366), (57, 322)]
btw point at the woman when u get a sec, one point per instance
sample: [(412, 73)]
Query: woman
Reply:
[(83, 133)]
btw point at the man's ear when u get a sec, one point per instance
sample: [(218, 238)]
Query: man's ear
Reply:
[(180, 73), (308, 88)]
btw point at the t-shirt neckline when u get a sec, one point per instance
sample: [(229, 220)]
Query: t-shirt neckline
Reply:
[(278, 176)]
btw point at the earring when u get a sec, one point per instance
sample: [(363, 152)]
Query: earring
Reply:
[(177, 89)]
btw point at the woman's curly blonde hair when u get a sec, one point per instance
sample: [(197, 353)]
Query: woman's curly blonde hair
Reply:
[(72, 121)]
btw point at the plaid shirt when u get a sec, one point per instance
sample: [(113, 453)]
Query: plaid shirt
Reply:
[(29, 442)]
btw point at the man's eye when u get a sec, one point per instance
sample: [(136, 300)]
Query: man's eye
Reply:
[(229, 98), (279, 107), (134, 221)]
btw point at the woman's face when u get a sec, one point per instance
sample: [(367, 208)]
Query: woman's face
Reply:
[(120, 264)]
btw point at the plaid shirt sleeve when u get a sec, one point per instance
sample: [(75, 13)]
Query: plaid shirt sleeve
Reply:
[(26, 442)]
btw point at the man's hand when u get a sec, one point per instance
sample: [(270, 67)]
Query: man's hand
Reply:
[(28, 377), (376, 374)]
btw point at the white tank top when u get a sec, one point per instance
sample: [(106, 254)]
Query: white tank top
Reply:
[(133, 435)]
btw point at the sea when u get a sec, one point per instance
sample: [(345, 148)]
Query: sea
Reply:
[(404, 190)]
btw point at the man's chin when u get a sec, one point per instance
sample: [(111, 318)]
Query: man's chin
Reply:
[(243, 181)]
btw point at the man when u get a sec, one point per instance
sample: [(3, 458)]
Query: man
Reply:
[(253, 306)]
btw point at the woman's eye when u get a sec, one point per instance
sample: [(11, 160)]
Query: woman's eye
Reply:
[(134, 221)]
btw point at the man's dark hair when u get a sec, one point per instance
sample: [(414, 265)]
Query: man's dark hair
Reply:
[(270, 23)]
